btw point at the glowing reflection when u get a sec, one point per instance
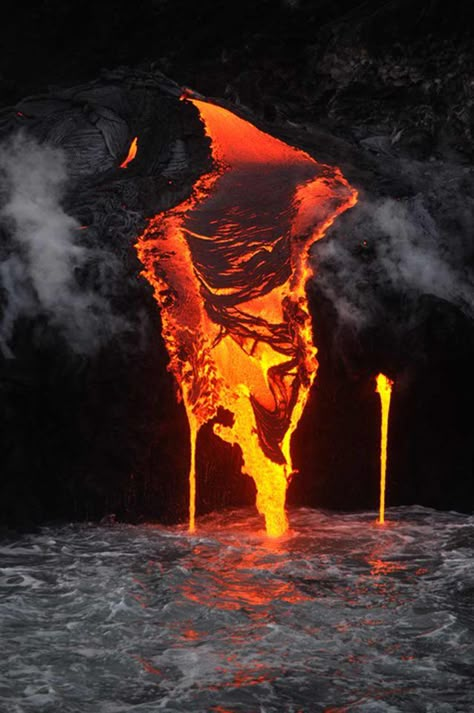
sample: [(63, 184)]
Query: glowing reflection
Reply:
[(243, 579)]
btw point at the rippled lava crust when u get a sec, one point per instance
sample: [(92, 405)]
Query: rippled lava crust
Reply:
[(229, 268)]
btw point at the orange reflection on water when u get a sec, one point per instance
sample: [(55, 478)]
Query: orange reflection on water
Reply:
[(243, 579), (191, 634), (380, 567), (140, 597), (147, 666), (249, 674)]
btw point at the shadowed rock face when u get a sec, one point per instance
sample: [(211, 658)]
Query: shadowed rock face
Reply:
[(369, 69), (93, 427), (90, 418)]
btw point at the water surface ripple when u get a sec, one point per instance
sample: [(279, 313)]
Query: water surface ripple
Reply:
[(339, 616)]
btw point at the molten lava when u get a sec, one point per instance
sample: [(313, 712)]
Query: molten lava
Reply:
[(132, 152), (384, 390), (229, 267)]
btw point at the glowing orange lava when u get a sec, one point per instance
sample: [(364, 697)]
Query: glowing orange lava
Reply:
[(384, 389), (132, 152), (229, 267)]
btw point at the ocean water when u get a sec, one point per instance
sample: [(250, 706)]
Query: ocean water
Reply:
[(339, 616)]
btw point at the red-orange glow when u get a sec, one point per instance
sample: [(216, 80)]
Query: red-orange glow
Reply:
[(147, 666), (132, 152), (380, 567), (384, 390), (191, 635), (421, 571), (229, 267), (230, 590), (231, 587)]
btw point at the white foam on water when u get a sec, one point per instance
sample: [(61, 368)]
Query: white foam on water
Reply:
[(340, 615)]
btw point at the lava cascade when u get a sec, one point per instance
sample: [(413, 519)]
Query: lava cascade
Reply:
[(384, 390), (229, 267)]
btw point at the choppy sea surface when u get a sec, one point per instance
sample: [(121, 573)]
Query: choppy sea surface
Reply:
[(339, 616)]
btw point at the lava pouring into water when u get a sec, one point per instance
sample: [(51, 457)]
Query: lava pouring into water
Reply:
[(384, 390), (229, 267)]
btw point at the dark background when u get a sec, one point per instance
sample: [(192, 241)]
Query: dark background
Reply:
[(84, 437)]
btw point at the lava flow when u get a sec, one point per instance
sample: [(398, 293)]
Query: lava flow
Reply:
[(229, 267), (384, 390)]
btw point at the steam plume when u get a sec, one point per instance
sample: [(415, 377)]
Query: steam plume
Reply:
[(405, 252), (42, 263)]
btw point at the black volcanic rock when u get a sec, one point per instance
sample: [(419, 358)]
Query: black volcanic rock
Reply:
[(91, 429), (398, 68)]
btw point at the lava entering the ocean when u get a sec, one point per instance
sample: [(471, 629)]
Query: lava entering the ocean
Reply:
[(384, 390), (229, 267)]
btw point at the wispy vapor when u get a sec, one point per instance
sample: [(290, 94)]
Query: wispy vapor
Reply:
[(390, 246), (43, 262)]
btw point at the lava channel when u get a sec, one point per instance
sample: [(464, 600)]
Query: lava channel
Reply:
[(229, 267)]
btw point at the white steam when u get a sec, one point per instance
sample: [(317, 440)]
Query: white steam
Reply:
[(410, 256), (42, 259)]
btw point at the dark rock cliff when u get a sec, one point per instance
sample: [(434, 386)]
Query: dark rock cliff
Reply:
[(385, 91)]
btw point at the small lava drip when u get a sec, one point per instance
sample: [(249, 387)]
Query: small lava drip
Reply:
[(384, 390), (229, 267), (132, 152)]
